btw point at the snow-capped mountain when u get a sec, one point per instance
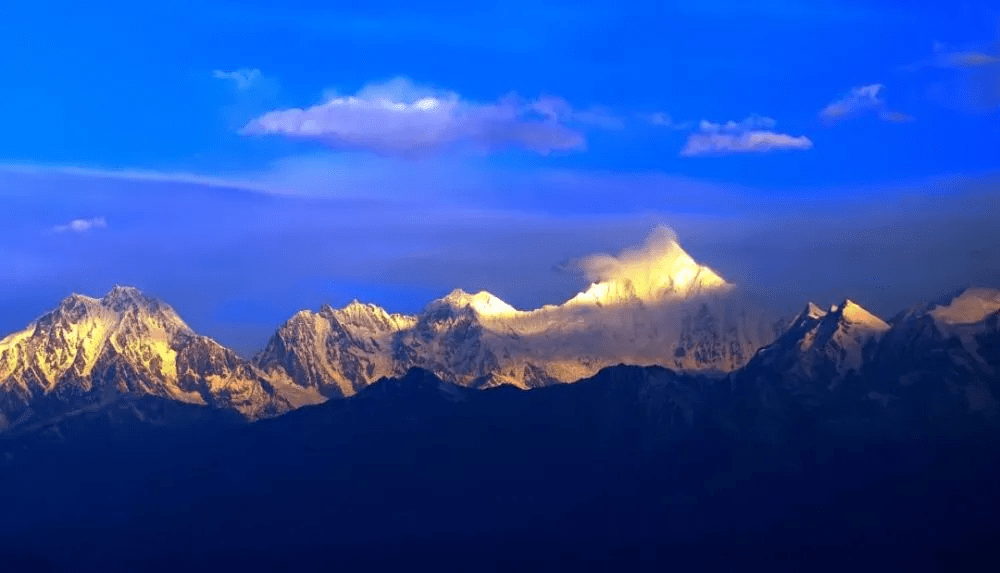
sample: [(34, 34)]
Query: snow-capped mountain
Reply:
[(90, 352), (664, 310), (934, 363), (818, 362), (336, 351), (824, 345), (669, 273), (948, 349)]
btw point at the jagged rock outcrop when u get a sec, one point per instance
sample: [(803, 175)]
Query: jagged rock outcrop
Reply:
[(669, 311), (335, 351), (932, 365), (89, 352), (942, 354)]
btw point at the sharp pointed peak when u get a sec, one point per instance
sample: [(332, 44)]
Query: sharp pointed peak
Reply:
[(483, 302), (854, 313), (848, 305), (845, 304), (76, 297), (122, 297), (460, 296), (123, 293), (459, 293), (353, 307), (123, 290), (356, 309), (117, 299), (119, 304), (356, 305), (812, 310), (669, 272)]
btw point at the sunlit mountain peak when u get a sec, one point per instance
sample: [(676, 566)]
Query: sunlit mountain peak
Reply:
[(483, 303), (659, 270)]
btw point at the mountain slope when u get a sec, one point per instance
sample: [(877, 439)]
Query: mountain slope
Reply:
[(89, 352), (335, 352), (632, 468), (824, 346), (664, 310), (934, 364), (944, 352)]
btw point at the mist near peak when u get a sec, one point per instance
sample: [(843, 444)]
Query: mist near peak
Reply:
[(659, 267)]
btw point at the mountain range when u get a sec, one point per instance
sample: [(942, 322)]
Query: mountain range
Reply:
[(660, 421), (675, 313), (635, 468), (90, 352)]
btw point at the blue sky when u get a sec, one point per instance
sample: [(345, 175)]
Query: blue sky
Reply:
[(808, 149)]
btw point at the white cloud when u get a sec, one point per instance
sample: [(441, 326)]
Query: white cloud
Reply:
[(749, 142), (752, 135), (859, 101), (82, 225), (244, 78), (400, 118)]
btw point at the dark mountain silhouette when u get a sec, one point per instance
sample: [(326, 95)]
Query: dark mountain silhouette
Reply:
[(848, 442), (635, 468)]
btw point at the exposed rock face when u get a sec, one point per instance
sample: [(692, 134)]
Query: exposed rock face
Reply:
[(947, 351), (89, 352), (335, 351), (671, 312), (934, 364)]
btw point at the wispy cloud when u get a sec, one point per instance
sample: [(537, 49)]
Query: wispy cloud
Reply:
[(403, 119), (947, 57), (860, 101), (244, 78), (964, 79), (82, 225), (251, 93), (965, 60), (751, 135), (558, 109), (662, 119), (643, 266), (754, 122), (240, 182)]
